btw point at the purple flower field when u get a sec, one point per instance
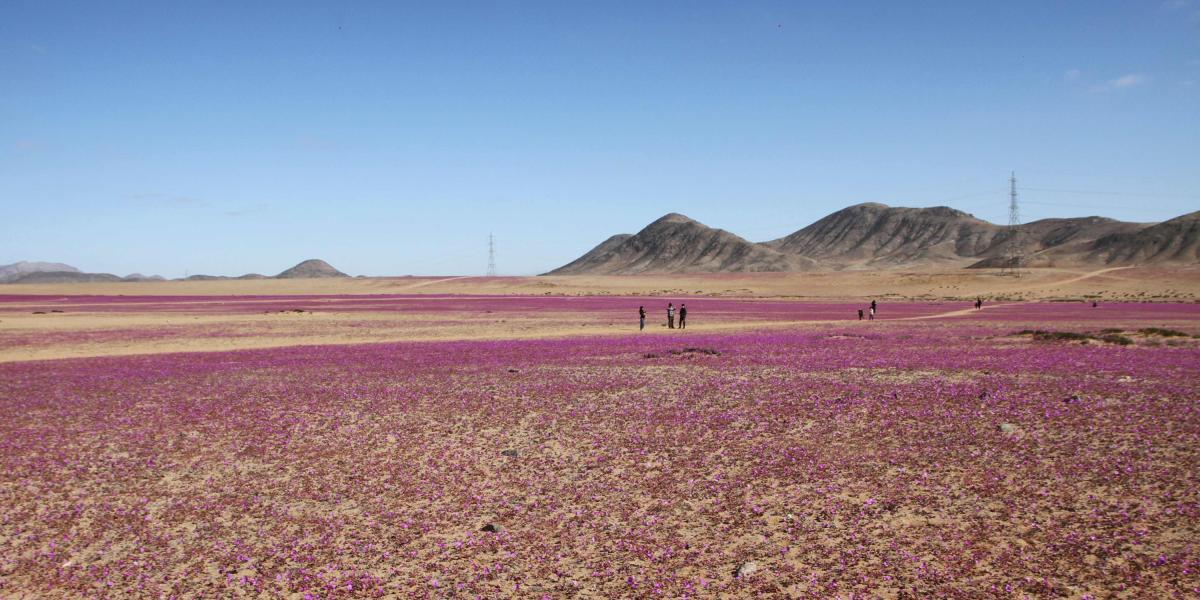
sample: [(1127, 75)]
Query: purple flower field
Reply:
[(934, 457)]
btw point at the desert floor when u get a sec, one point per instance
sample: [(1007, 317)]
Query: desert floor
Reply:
[(518, 437), (1114, 283), (76, 320)]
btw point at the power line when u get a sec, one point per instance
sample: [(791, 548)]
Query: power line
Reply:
[(1108, 193), (1070, 205)]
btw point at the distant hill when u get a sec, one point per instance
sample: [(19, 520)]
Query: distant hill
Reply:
[(64, 277), (677, 244), (48, 272), (1174, 241), (311, 269), (877, 236), (18, 269), (1056, 242)]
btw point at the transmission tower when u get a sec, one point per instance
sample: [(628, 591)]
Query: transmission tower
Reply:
[(491, 271), (1014, 251)]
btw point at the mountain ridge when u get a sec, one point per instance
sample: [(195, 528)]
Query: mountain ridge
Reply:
[(679, 244), (877, 236)]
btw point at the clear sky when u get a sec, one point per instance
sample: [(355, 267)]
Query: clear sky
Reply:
[(390, 138)]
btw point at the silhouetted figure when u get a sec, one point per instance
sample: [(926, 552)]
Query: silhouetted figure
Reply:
[(683, 316), (670, 316), (1095, 304), (860, 313), (872, 308), (641, 318), (978, 303)]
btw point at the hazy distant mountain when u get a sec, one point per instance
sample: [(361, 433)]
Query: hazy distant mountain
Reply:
[(19, 269), (677, 244), (64, 277), (875, 236), (310, 269)]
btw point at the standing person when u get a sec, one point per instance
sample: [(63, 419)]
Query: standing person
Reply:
[(670, 316), (978, 303), (683, 316), (641, 318), (860, 314), (871, 316)]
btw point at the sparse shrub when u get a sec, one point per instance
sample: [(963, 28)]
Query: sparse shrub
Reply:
[(1162, 332)]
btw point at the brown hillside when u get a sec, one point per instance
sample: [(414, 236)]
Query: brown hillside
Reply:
[(677, 244)]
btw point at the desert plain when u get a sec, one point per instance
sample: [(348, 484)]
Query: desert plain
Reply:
[(469, 437)]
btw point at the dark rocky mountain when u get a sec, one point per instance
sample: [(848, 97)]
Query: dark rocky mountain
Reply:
[(1056, 242), (22, 268), (1174, 241), (876, 236), (311, 269), (677, 244), (595, 256)]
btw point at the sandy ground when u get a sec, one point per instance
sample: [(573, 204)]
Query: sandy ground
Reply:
[(201, 325), (1120, 283)]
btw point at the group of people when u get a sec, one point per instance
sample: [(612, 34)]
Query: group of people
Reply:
[(670, 316), (870, 314)]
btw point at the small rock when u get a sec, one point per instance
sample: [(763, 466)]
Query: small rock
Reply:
[(513, 371), (1008, 428), (492, 528), (510, 453), (747, 569)]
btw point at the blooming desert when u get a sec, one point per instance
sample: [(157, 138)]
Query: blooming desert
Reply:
[(936, 452)]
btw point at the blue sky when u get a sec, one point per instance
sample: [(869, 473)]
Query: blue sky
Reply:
[(391, 138)]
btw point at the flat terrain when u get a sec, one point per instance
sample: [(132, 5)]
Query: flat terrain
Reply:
[(391, 438), (103, 319), (1119, 283)]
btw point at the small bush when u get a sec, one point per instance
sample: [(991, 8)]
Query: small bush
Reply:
[(1069, 336), (1162, 332)]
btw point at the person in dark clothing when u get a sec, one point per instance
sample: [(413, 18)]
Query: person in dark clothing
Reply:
[(872, 308), (978, 303), (670, 316), (641, 318), (1094, 304), (860, 314), (683, 316)]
